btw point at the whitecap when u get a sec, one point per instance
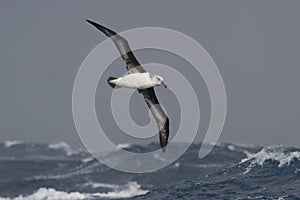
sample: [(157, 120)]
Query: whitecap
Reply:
[(132, 189), (10, 143), (88, 159), (245, 145), (275, 153), (100, 185), (123, 146), (50, 194), (64, 146), (231, 147), (177, 164)]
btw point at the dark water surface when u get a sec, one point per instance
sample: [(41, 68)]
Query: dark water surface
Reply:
[(230, 171)]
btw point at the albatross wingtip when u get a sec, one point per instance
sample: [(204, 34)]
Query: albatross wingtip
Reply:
[(103, 29), (91, 22)]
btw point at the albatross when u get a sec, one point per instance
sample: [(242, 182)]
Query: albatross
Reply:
[(138, 78)]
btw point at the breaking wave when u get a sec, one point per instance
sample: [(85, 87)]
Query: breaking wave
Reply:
[(10, 143), (132, 189), (278, 154)]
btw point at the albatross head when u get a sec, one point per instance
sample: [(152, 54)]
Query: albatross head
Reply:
[(159, 80)]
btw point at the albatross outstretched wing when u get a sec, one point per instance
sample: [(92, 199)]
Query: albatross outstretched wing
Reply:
[(133, 66)]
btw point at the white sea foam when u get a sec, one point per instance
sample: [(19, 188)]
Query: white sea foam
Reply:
[(231, 147), (62, 145), (88, 159), (244, 145), (50, 194), (177, 164), (275, 153), (239, 146), (130, 190), (10, 143), (100, 185), (123, 146)]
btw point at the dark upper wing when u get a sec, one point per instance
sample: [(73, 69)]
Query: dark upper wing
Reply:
[(133, 66), (160, 116)]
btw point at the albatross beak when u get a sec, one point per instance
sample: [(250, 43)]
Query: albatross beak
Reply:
[(163, 84)]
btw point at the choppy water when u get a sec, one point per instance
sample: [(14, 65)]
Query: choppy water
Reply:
[(42, 171)]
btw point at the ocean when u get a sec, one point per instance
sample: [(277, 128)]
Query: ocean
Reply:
[(31, 171)]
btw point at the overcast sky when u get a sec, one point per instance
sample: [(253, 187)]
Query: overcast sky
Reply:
[(255, 45)]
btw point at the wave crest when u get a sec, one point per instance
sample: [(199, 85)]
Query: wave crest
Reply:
[(10, 143), (283, 156), (63, 146), (131, 189)]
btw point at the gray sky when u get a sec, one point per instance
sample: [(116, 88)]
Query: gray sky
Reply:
[(255, 45)]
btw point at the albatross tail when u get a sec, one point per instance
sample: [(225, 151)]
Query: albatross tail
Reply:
[(111, 84)]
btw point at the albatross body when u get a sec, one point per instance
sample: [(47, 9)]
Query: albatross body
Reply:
[(136, 81), (139, 79)]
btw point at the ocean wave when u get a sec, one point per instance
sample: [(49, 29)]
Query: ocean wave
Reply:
[(87, 159), (17, 150), (81, 170), (132, 189), (239, 147), (10, 143), (63, 146), (32, 171), (50, 194), (283, 156), (231, 147)]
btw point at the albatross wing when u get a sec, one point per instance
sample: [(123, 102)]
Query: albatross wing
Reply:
[(133, 66)]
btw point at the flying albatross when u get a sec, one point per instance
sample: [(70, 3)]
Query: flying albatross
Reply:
[(138, 78)]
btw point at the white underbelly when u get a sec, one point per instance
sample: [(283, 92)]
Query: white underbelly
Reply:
[(135, 81)]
